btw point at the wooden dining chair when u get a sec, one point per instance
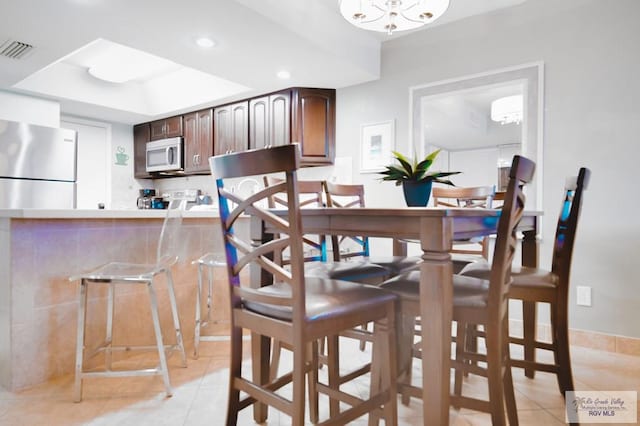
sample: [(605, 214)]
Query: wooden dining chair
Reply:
[(311, 195), (469, 197), (349, 247), (360, 271), (477, 302), (346, 247), (535, 285), (291, 307)]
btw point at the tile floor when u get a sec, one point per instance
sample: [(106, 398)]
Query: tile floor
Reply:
[(200, 394)]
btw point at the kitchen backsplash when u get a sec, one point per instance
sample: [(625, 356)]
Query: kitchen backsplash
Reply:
[(339, 172)]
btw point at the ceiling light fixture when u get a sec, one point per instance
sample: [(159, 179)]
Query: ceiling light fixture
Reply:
[(392, 15), (117, 63), (205, 42), (507, 110)]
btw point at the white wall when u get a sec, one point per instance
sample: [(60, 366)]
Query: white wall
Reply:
[(27, 109), (124, 187), (591, 68)]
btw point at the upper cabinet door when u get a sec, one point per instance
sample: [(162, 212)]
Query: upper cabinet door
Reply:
[(198, 141), (280, 118), (259, 122), (240, 126), (173, 127), (269, 120), (313, 124), (205, 137), (231, 128), (222, 130), (166, 128)]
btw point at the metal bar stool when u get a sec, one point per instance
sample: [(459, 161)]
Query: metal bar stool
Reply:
[(131, 273), (208, 261)]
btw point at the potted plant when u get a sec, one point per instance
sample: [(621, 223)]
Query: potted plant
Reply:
[(415, 178)]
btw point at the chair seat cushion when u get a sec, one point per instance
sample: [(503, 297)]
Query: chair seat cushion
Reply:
[(467, 291), (325, 299), (396, 264), (120, 271), (523, 277), (359, 271)]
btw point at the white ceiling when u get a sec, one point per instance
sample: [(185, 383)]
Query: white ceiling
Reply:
[(255, 39)]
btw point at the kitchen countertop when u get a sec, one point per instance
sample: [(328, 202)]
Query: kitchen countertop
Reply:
[(100, 214)]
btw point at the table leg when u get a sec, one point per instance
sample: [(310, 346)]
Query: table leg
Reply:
[(399, 247), (436, 308), (530, 248)]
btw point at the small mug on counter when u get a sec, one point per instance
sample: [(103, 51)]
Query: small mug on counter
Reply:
[(159, 203)]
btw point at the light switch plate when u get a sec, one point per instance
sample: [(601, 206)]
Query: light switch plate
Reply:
[(583, 295)]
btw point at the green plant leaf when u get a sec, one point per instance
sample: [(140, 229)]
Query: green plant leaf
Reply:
[(412, 170), (433, 155)]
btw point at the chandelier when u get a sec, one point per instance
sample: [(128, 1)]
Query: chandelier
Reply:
[(507, 110), (392, 15)]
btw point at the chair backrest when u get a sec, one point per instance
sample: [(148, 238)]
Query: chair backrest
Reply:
[(171, 236), (241, 253), (309, 192), (309, 195), (522, 170), (477, 196), (568, 223), (471, 197), (343, 195)]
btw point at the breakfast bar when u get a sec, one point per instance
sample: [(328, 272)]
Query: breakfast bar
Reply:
[(40, 249)]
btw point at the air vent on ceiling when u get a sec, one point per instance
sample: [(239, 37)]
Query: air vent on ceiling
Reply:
[(15, 49)]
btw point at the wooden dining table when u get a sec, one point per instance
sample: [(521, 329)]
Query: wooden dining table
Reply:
[(434, 229)]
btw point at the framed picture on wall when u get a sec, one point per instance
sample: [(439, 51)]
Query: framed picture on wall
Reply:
[(377, 140)]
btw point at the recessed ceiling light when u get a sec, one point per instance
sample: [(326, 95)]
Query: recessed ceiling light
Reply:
[(205, 42), (284, 75)]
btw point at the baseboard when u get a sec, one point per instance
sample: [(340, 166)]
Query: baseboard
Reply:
[(587, 339)]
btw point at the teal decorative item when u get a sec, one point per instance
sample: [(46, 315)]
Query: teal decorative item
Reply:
[(417, 194), (121, 157)]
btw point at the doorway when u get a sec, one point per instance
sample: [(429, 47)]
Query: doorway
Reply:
[(93, 173), (455, 115)]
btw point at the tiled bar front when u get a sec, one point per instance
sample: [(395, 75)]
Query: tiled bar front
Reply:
[(39, 305)]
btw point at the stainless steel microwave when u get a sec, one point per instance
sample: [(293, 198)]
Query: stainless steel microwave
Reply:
[(164, 155)]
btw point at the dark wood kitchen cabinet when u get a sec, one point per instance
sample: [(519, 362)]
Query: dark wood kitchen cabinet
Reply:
[(302, 115), (166, 128), (295, 115), (313, 124), (198, 141), (141, 135), (231, 128), (270, 120)]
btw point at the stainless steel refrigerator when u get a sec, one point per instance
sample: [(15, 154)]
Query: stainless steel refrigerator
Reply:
[(37, 166)]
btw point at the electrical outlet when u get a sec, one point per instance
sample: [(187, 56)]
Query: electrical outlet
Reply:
[(583, 295)]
